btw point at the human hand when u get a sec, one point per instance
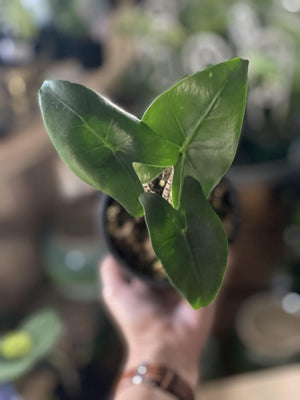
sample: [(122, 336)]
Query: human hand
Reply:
[(159, 326)]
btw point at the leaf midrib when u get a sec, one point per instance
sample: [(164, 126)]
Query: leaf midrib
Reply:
[(106, 143), (189, 139), (192, 257)]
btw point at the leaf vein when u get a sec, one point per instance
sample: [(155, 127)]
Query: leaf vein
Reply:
[(66, 105), (208, 109), (181, 130), (204, 116)]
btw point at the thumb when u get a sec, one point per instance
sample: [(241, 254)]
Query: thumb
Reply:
[(111, 278)]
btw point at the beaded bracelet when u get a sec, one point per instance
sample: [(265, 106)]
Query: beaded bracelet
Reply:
[(159, 376)]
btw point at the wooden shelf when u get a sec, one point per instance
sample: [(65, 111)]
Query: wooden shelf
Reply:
[(24, 149)]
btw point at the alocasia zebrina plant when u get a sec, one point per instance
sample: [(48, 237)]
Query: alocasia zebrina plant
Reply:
[(193, 127)]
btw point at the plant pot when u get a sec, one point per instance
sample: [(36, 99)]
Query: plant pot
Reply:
[(127, 237)]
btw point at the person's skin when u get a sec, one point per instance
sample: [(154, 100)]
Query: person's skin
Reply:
[(159, 328)]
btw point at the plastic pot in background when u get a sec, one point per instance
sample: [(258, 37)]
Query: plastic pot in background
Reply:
[(267, 331)]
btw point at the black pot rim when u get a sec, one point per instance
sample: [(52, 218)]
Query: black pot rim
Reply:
[(130, 272)]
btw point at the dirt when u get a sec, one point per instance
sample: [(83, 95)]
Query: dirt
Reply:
[(130, 237)]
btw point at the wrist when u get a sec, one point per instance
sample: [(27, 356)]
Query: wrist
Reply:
[(157, 376), (145, 392), (163, 355)]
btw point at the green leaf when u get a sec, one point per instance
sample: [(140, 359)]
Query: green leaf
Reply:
[(99, 141), (203, 114), (146, 173), (190, 242), (44, 328)]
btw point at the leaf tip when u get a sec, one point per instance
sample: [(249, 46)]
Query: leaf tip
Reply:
[(200, 303), (45, 85), (43, 91), (242, 63)]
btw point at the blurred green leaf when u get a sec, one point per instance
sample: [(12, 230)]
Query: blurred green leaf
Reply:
[(206, 15), (190, 242), (18, 19), (44, 329)]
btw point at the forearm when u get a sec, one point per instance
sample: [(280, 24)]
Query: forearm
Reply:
[(164, 336)]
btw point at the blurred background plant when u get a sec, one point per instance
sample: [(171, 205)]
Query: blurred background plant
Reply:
[(176, 38), (50, 244), (22, 348)]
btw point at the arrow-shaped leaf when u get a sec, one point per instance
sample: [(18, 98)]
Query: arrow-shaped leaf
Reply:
[(190, 242), (203, 114), (99, 141)]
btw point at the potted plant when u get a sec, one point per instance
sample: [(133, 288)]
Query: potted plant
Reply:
[(193, 129)]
